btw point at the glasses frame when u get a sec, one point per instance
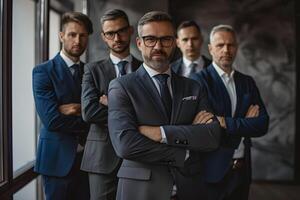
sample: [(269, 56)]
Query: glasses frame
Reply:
[(119, 32), (160, 40)]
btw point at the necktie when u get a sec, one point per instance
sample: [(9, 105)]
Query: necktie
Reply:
[(76, 74), (121, 66), (164, 92), (193, 68)]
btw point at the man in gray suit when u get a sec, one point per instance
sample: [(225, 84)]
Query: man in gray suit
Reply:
[(150, 118), (99, 159)]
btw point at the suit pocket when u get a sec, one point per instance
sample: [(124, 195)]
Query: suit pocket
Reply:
[(134, 173)]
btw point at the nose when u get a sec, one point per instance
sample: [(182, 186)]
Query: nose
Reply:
[(158, 44), (77, 39), (117, 37), (189, 43)]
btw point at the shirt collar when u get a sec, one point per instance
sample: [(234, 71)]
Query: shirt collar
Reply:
[(115, 60), (67, 60), (221, 72), (152, 72), (187, 62)]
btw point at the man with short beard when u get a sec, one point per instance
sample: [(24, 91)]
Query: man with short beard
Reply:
[(57, 90), (150, 116), (99, 158)]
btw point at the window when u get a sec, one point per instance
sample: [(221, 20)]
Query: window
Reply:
[(23, 60)]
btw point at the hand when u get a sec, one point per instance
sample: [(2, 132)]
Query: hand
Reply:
[(222, 121), (103, 100), (70, 109), (151, 132), (253, 111), (203, 117)]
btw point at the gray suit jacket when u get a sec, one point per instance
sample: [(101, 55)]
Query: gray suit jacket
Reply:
[(99, 155), (149, 168)]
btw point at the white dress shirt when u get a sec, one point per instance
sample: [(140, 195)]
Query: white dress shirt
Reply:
[(187, 65), (68, 61), (230, 87), (115, 60)]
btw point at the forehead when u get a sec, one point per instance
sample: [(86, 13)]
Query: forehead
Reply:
[(112, 25), (190, 31), (74, 27), (224, 37), (163, 28)]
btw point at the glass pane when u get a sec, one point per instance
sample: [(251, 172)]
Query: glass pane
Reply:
[(54, 43), (23, 56), (29, 192)]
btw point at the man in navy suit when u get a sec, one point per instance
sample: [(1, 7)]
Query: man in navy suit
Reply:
[(99, 158), (150, 116), (189, 41), (236, 101), (57, 90)]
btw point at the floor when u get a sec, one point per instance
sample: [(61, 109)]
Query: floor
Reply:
[(267, 191)]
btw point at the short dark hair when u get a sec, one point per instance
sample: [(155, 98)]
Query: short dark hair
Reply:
[(79, 18), (154, 16), (189, 23), (113, 15)]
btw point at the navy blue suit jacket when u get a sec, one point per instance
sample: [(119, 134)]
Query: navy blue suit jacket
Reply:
[(53, 85), (217, 163)]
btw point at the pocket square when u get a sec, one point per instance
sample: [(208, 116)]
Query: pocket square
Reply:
[(189, 98)]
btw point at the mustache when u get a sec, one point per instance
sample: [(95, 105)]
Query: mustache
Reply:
[(158, 52)]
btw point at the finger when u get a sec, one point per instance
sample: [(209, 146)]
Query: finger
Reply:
[(207, 117), (209, 121), (204, 117), (197, 117)]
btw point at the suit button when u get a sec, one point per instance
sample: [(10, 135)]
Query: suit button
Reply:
[(177, 141), (185, 142)]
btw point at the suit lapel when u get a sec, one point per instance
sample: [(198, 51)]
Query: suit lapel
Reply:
[(145, 81), (176, 67), (239, 92), (178, 94), (221, 91), (135, 64), (65, 74)]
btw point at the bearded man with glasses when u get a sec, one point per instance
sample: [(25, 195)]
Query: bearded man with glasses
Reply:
[(99, 158), (159, 122)]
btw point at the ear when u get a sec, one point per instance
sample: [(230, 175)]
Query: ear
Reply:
[(209, 48), (102, 36), (178, 42), (61, 35), (131, 30), (138, 42)]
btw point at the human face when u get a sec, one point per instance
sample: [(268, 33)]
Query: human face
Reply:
[(157, 57), (189, 41), (74, 39), (223, 49), (116, 34)]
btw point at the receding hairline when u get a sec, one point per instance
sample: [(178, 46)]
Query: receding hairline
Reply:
[(221, 28), (155, 16)]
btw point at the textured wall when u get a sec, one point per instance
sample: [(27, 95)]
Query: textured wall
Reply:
[(267, 52)]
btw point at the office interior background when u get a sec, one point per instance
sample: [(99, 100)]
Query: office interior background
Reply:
[(268, 50)]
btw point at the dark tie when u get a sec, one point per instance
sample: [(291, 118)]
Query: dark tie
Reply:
[(193, 68), (165, 92), (76, 74), (121, 66)]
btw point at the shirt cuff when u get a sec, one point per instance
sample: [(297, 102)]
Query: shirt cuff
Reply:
[(163, 135)]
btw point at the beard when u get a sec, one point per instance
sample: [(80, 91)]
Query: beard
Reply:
[(75, 52), (160, 64), (119, 47)]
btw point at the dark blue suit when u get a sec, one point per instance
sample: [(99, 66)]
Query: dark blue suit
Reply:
[(54, 85), (218, 163)]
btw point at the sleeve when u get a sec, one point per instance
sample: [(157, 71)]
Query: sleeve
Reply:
[(47, 106), (196, 137), (250, 127), (92, 110), (127, 141)]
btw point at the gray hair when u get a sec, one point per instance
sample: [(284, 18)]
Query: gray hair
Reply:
[(220, 28), (154, 16)]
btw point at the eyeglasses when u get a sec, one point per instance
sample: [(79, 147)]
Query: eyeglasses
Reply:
[(150, 41), (110, 35)]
